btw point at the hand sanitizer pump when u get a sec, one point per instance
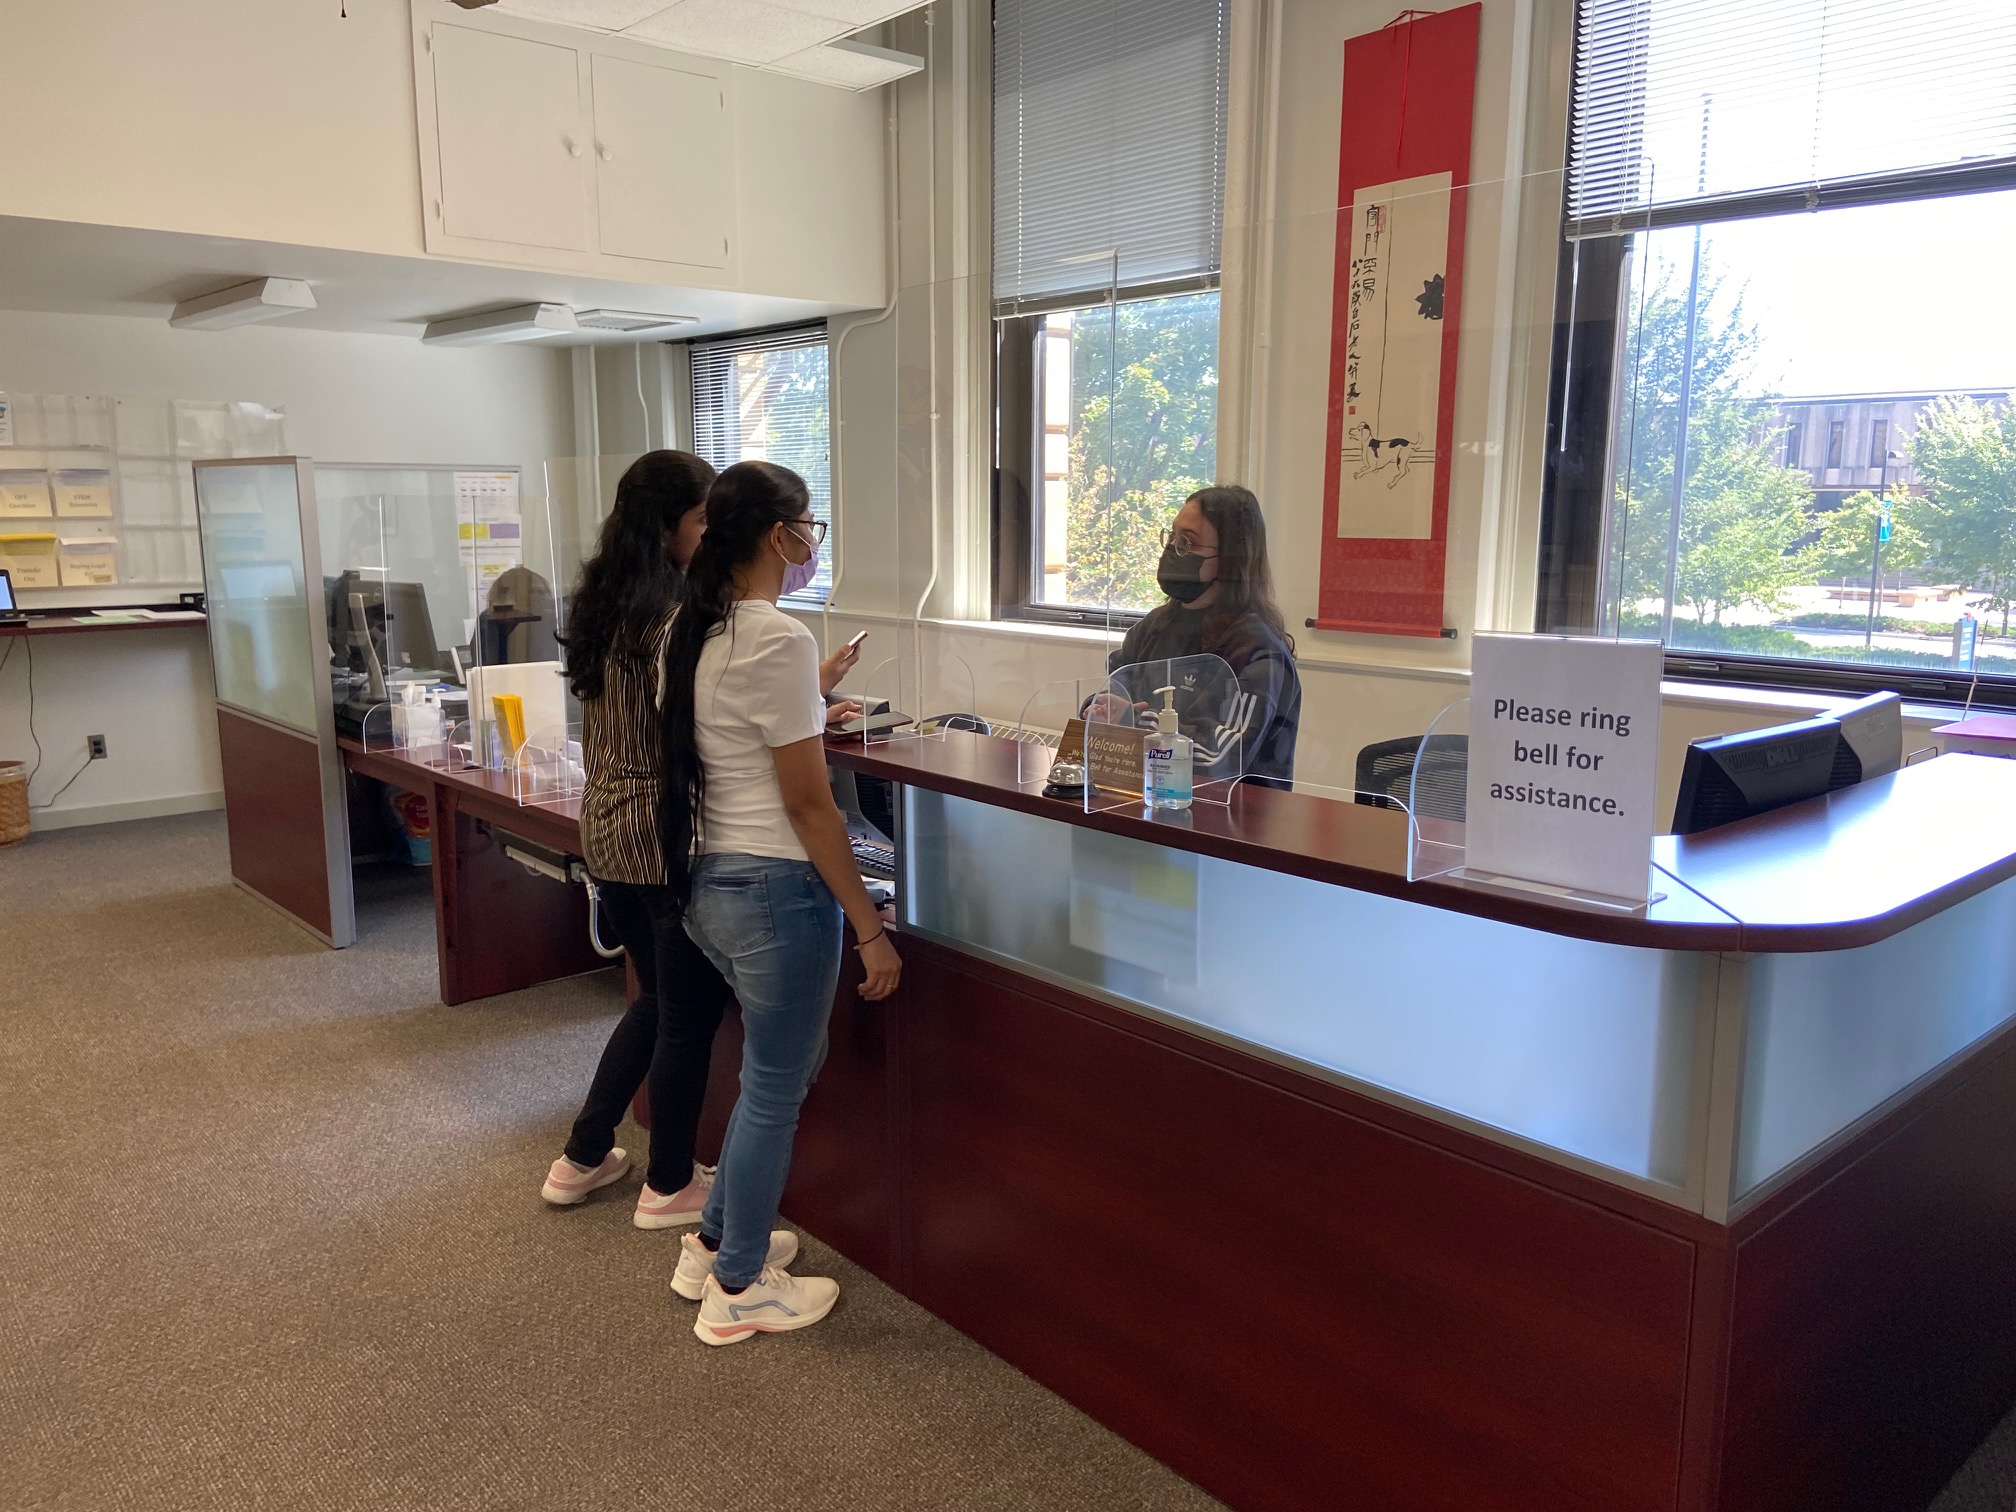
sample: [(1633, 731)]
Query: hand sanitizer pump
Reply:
[(1166, 765)]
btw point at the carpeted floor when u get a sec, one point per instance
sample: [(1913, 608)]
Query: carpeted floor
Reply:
[(270, 1238)]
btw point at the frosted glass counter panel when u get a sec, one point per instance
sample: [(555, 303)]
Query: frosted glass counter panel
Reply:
[(256, 591), (1834, 1034), (1583, 1047)]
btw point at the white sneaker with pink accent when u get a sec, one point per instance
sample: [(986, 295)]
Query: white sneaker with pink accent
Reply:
[(696, 1261), (655, 1210), (567, 1183), (776, 1302)]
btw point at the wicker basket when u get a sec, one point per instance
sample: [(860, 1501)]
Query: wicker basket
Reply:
[(13, 802)]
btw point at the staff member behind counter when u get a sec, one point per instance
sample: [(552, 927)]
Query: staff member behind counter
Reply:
[(1221, 603)]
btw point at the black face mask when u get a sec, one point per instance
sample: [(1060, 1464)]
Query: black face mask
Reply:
[(1180, 576)]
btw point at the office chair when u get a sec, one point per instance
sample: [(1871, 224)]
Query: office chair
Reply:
[(1386, 775), (971, 722)]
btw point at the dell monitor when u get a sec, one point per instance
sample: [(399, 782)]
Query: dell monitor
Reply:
[(1872, 739), (1731, 777)]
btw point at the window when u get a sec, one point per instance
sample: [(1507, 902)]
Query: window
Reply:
[(1731, 199), (1107, 226), (763, 397)]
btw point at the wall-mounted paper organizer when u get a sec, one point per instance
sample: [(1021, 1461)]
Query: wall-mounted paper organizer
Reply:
[(96, 491)]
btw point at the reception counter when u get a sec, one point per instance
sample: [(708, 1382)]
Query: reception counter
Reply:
[(1333, 1189)]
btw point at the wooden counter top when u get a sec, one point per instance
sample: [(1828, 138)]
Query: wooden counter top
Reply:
[(557, 824), (1849, 869), (90, 624), (1845, 870)]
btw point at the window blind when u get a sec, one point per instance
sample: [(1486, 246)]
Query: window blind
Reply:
[(1109, 138), (1691, 110), (764, 398)]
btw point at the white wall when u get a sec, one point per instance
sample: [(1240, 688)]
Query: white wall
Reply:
[(348, 398)]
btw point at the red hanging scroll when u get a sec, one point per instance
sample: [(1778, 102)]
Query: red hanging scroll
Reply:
[(1402, 175)]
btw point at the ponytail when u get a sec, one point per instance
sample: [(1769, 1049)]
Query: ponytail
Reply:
[(743, 504)]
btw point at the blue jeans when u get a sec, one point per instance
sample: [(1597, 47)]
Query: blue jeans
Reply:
[(772, 929)]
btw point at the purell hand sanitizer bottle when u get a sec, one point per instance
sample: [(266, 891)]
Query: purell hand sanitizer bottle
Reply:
[(1165, 759)]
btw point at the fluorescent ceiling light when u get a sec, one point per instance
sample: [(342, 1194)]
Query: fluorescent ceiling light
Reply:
[(242, 304), (629, 320), (527, 322)]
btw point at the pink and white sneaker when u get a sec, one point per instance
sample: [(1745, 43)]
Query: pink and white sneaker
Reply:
[(567, 1183), (655, 1210)]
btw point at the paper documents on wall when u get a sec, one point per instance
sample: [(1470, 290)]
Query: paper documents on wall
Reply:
[(88, 561), (30, 560), (84, 492), (24, 493), (490, 529)]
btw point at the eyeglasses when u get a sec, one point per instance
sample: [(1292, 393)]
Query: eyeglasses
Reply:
[(1185, 547), (818, 528)]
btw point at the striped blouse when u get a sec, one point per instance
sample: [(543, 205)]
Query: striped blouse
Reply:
[(620, 749)]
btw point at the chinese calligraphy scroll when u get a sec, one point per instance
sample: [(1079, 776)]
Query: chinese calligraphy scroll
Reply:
[(1403, 165)]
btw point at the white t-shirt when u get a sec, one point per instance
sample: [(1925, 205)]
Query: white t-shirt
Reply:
[(757, 686)]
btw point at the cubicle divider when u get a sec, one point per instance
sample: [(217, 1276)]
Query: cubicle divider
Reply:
[(269, 650)]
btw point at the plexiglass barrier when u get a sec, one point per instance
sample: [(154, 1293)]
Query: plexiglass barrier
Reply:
[(1169, 733), (547, 768)]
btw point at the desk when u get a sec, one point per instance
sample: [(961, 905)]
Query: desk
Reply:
[(86, 624), (1332, 1189), (498, 927)]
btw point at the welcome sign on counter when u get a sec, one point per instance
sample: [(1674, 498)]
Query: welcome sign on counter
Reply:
[(1564, 761)]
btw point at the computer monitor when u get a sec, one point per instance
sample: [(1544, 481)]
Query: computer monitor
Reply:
[(396, 615), (7, 604), (1731, 777), (1872, 739)]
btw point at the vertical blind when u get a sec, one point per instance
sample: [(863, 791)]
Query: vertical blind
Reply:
[(1698, 109), (1109, 141), (764, 398)]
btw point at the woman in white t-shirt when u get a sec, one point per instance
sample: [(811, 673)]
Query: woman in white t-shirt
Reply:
[(746, 798)]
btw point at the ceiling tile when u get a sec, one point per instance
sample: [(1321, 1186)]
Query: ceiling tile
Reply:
[(848, 65), (748, 31), (598, 15), (856, 13)]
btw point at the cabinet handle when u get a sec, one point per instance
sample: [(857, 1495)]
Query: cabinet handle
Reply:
[(602, 152), (573, 147)]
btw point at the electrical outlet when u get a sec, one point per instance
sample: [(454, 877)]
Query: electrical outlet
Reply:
[(96, 745)]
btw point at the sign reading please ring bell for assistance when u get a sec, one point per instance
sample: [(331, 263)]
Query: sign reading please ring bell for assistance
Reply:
[(1564, 761)]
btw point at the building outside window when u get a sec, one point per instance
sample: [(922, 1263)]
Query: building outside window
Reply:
[(1107, 228), (1730, 197), (764, 397)]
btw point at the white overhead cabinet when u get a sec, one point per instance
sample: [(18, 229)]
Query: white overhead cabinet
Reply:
[(512, 126), (662, 149), (536, 152)]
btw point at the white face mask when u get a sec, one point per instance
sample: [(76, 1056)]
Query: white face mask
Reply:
[(798, 575)]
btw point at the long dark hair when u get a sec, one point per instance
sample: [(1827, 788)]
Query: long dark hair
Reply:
[(627, 586), (1245, 581), (745, 502)]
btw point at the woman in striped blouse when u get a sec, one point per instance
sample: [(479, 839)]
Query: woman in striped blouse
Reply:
[(617, 625)]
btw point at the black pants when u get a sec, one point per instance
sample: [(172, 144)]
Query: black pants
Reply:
[(667, 1033)]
